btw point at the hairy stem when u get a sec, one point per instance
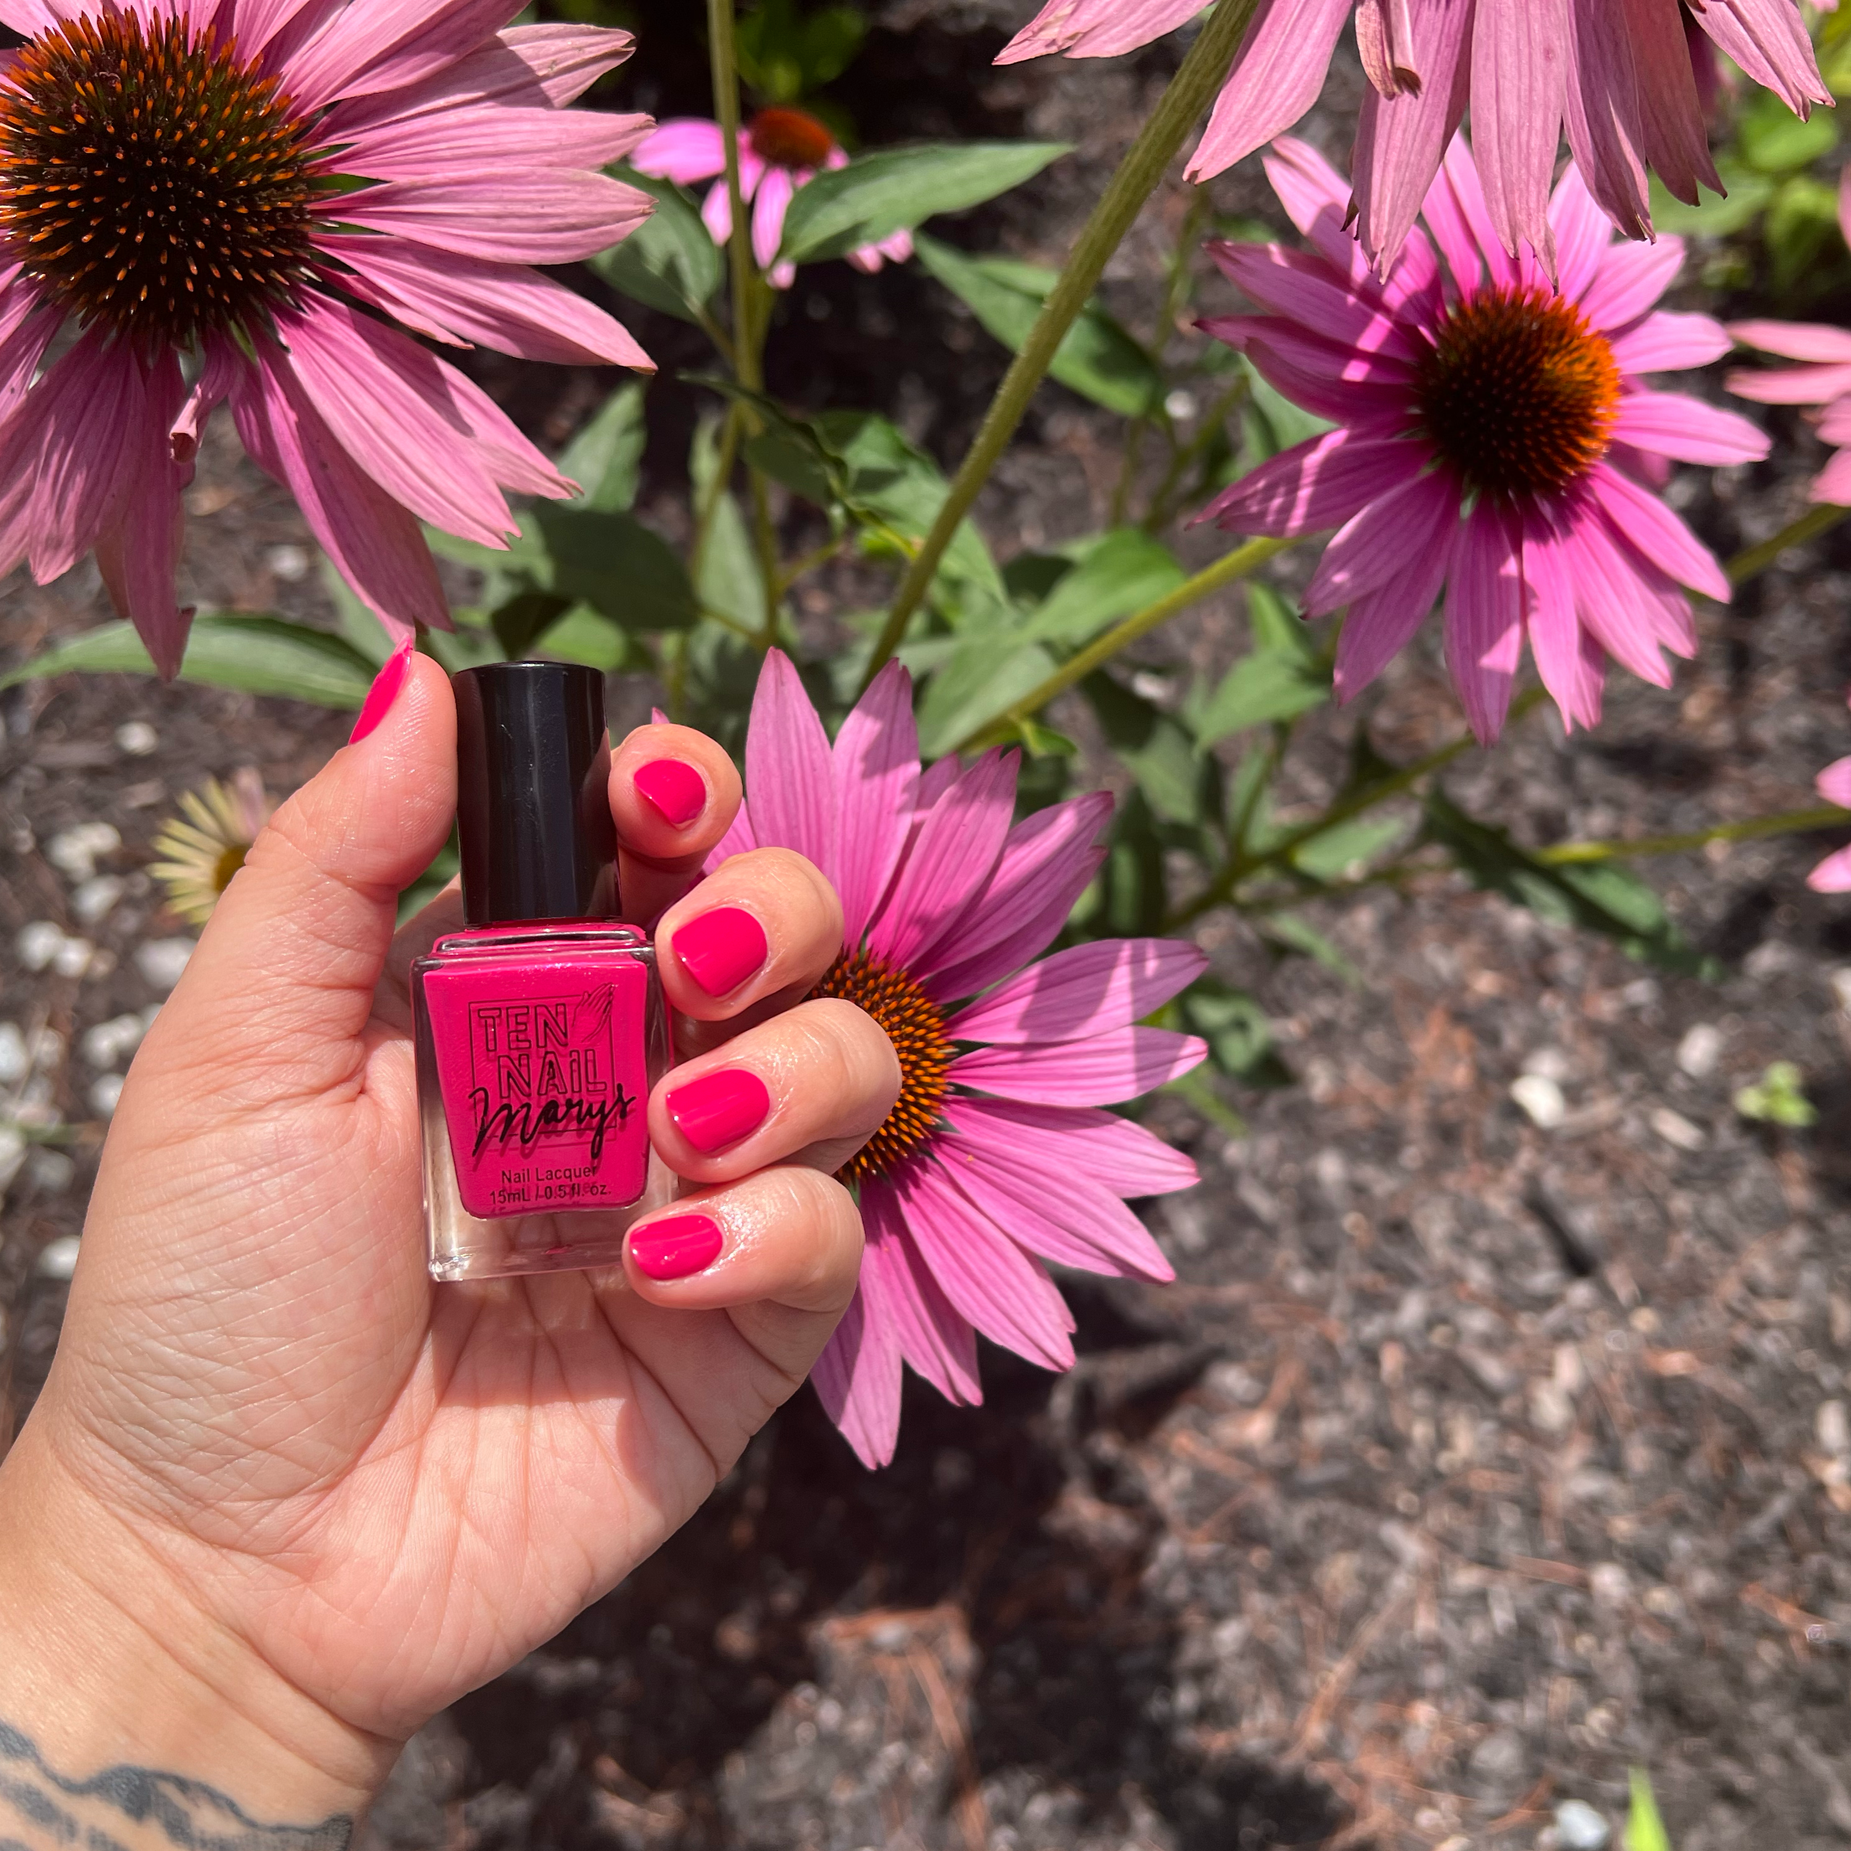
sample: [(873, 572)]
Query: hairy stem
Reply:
[(1136, 179), (1788, 822)]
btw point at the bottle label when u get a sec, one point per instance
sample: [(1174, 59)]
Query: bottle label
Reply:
[(543, 1069)]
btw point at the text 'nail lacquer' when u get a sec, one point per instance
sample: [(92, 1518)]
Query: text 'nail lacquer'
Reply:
[(540, 1028)]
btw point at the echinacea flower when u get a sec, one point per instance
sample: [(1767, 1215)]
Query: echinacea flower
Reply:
[(242, 183), (206, 845), (1494, 437), (1616, 73), (1833, 874), (996, 1156), (779, 149)]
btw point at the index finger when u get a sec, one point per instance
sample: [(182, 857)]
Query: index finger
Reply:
[(674, 794)]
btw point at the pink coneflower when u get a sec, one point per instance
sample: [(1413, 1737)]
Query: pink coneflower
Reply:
[(1833, 874), (1617, 75), (996, 1156), (242, 181), (1493, 437), (779, 149)]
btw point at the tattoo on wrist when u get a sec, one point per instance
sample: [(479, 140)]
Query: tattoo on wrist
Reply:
[(135, 1809)]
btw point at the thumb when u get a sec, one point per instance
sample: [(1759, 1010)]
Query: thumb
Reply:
[(277, 997)]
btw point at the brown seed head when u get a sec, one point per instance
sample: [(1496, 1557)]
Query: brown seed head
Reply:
[(789, 138)]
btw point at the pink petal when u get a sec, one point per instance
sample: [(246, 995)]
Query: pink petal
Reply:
[(1833, 874), (1687, 429), (1835, 783), (1484, 619), (900, 1290), (1063, 1218), (449, 141), (1833, 483), (1795, 340), (1630, 279), (1317, 200), (463, 300), (1554, 631), (1767, 38), (1582, 234), (1342, 384), (1613, 600), (1792, 385), (1667, 343), (138, 552), (1602, 113), (857, 1379), (1658, 533), (740, 839), (1395, 534), (1673, 135), (986, 1276), (392, 44), (1096, 28), (254, 23), (1317, 298), (1277, 75), (1115, 1065), (1400, 140), (28, 322), (1519, 62), (1048, 860), (1075, 993), (1382, 623), (371, 538), (770, 202), (876, 770), (517, 216), (684, 149), (788, 773), (1319, 483), (1074, 1142), (958, 843)]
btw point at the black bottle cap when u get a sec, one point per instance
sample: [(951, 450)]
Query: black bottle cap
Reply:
[(533, 808)]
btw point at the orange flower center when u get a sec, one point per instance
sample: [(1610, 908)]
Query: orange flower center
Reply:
[(1518, 393), (151, 181), (916, 1027), (789, 138)]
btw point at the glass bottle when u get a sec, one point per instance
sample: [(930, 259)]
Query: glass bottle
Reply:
[(540, 1028)]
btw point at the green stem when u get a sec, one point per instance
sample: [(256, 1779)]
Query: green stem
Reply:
[(1225, 571), (1185, 459), (1138, 173), (710, 502), (1809, 526), (1788, 822), (725, 64)]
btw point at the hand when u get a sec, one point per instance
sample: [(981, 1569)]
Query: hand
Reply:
[(279, 1485)]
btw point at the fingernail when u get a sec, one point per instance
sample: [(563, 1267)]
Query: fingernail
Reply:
[(675, 790), (719, 1108), (383, 692), (721, 949), (674, 1248)]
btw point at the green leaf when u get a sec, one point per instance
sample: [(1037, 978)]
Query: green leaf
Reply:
[(1778, 1098), (789, 449), (1802, 222), (895, 189), (606, 455), (1598, 897), (784, 54), (1645, 1830), (1258, 689), (670, 262), (1155, 748), (583, 635), (728, 579), (1773, 140), (616, 565), (1293, 932), (981, 678), (1276, 625), (1096, 357), (1131, 896), (360, 627), (1115, 574), (226, 649), (1714, 216), (1348, 847), (1240, 1040)]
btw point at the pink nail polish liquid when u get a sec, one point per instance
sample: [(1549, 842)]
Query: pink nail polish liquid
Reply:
[(540, 1028)]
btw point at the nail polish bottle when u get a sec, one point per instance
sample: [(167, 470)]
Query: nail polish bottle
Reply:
[(540, 1028)]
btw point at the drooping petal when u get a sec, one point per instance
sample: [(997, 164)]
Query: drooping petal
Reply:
[(1096, 28), (683, 149), (876, 768), (986, 1276), (1319, 483), (1668, 343), (1075, 993), (1519, 70), (788, 773), (1113, 1066), (1676, 425), (1484, 619), (1277, 76), (518, 216), (1074, 1141), (857, 1379), (1767, 38), (901, 1291)]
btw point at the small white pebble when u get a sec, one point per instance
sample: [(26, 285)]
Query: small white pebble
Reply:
[(1840, 981), (104, 1094), (1675, 1128), (1578, 1827), (161, 960), (1541, 1098), (1609, 1583), (1832, 1428), (37, 944), (58, 1259), (1550, 1064), (49, 1171), (137, 738), (93, 900), (46, 1050), (74, 852), (107, 1042), (1700, 1050), (15, 1062), (72, 958), (12, 1153), (1180, 405), (289, 563)]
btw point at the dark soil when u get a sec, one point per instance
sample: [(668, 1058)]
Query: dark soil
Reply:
[(1467, 1463)]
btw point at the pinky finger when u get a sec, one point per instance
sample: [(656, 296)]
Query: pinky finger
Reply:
[(779, 1252)]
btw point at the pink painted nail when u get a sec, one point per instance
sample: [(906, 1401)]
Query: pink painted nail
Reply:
[(674, 1248), (383, 692), (675, 790), (719, 1108), (721, 949)]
